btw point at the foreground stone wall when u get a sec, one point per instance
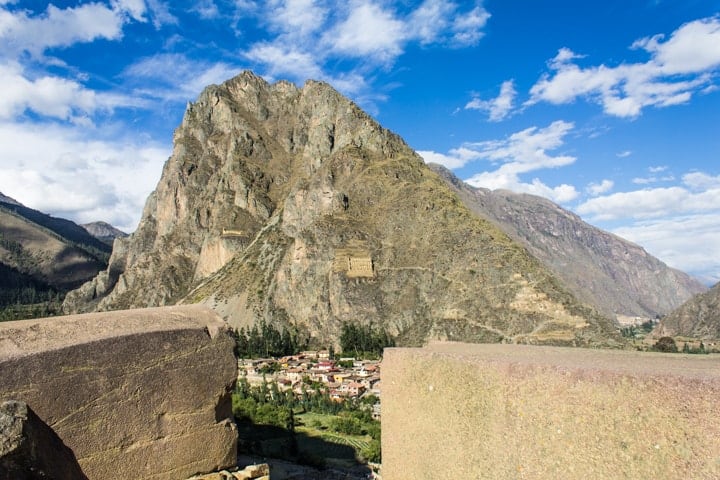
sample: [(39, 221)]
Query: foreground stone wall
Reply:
[(137, 394), (521, 412)]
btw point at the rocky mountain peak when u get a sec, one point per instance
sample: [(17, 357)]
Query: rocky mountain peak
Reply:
[(293, 206)]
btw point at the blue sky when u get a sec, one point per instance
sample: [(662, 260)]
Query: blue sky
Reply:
[(611, 109)]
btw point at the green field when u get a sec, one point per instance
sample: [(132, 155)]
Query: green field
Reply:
[(318, 439)]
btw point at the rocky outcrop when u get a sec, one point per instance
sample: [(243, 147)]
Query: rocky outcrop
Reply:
[(30, 450), (698, 318), (617, 277), (292, 206), (104, 232), (516, 411), (141, 394)]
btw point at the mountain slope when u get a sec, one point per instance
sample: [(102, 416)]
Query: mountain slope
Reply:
[(294, 207), (616, 276), (36, 255), (67, 230), (6, 199), (697, 318)]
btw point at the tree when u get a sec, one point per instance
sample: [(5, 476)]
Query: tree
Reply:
[(364, 339), (666, 345)]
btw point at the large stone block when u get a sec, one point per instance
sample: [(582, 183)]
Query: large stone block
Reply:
[(137, 394), (522, 412)]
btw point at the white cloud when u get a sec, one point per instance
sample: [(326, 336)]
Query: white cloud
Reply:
[(312, 36), (59, 170), (499, 107), (368, 30), (135, 8), (297, 18), (280, 59), (58, 27), (429, 20), (160, 13), (457, 157), (508, 181), (650, 203), (53, 96), (624, 154), (678, 68), (653, 178), (701, 181), (522, 152), (526, 151), (206, 9), (176, 77), (596, 189), (690, 243), (467, 28), (692, 48)]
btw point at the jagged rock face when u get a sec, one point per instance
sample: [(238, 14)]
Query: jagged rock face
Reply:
[(698, 318), (618, 277), (293, 206)]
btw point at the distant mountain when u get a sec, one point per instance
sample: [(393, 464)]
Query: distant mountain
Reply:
[(616, 276), (43, 252), (104, 232), (697, 318), (70, 231), (292, 206)]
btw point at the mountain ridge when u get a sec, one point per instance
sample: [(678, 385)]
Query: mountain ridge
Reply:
[(618, 277)]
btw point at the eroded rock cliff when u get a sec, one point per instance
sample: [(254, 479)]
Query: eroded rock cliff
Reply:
[(292, 206)]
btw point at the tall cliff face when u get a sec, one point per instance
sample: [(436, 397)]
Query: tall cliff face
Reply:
[(293, 206), (618, 277), (699, 318)]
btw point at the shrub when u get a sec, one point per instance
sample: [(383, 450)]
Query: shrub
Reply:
[(665, 345)]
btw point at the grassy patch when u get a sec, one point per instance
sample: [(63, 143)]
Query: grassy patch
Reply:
[(319, 439)]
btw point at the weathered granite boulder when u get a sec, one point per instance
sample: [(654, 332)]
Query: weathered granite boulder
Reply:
[(138, 394), (520, 412), (30, 450)]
